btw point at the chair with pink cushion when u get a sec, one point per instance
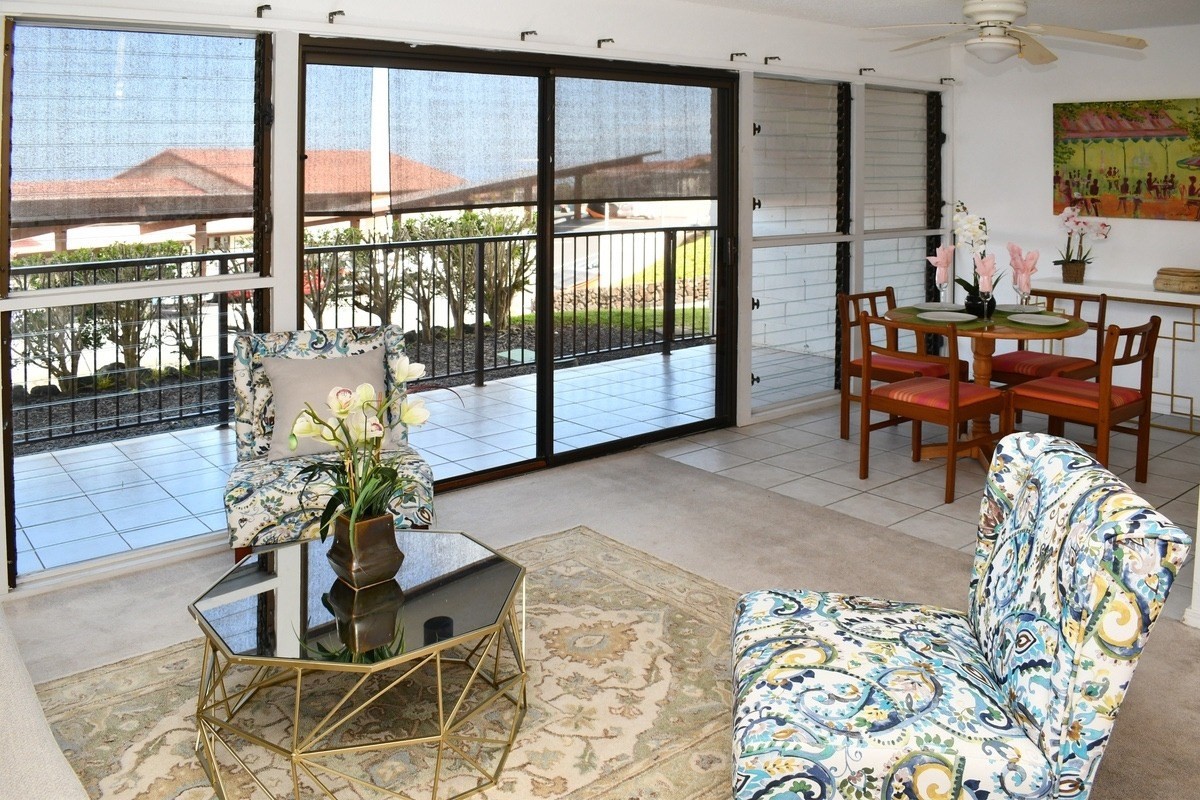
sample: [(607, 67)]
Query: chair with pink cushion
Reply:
[(851, 307), (1102, 404), (947, 399), (1021, 365)]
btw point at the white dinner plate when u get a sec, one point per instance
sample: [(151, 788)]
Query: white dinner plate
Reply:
[(1019, 309), (947, 316), (1048, 320), (939, 306)]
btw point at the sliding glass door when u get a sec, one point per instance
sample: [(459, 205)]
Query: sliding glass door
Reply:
[(548, 235)]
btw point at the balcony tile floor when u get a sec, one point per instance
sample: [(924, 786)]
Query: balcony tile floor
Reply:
[(87, 502)]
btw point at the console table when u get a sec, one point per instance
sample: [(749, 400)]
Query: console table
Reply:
[(1175, 376)]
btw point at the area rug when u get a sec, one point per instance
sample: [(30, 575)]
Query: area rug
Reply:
[(629, 692)]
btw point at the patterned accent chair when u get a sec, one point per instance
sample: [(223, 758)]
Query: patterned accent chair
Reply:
[(838, 696), (267, 501)]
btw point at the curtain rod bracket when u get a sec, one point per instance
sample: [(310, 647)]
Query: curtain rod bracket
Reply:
[(865, 70), (338, 13), (732, 56), (258, 12), (527, 33), (602, 42), (769, 59), (944, 81)]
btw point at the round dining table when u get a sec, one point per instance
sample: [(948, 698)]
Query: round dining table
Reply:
[(1007, 322)]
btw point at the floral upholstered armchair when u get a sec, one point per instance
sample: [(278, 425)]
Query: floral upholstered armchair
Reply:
[(839, 696), (267, 500)]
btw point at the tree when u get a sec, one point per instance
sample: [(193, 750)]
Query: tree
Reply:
[(184, 331), (55, 338), (321, 281), (416, 265), (508, 267), (128, 323)]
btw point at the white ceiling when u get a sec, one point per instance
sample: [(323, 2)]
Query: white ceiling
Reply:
[(1102, 15)]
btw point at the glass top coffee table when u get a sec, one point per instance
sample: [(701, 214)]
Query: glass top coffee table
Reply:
[(415, 687)]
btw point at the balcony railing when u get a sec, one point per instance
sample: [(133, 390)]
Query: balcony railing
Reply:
[(467, 306)]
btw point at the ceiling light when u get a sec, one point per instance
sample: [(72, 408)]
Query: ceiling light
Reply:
[(993, 49)]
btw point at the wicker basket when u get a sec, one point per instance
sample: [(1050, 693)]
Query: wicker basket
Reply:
[(1178, 279), (1073, 271)]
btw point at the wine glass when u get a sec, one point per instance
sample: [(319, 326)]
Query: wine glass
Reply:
[(1022, 297), (986, 297), (942, 290)]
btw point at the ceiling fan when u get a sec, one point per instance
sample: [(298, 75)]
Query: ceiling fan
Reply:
[(993, 37)]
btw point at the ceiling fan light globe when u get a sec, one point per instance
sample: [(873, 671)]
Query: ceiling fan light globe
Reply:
[(993, 49)]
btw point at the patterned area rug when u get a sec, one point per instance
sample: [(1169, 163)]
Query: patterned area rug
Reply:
[(629, 692)]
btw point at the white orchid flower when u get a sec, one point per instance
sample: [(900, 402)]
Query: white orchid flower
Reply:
[(413, 412), (408, 370), (340, 401), (306, 425), (364, 395), (363, 426)]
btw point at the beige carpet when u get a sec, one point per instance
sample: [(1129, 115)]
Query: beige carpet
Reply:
[(628, 693)]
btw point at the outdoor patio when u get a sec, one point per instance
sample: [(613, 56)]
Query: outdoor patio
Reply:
[(81, 503)]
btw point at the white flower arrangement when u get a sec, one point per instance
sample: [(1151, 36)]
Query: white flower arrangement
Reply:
[(970, 230), (362, 483)]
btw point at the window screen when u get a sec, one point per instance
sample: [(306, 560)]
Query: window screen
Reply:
[(627, 141), (119, 134)]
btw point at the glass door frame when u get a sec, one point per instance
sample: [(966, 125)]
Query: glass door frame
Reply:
[(547, 68)]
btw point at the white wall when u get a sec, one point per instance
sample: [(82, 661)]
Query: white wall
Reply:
[(664, 31), (1002, 147)]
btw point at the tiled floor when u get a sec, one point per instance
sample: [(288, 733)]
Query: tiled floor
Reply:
[(801, 456), (82, 503), (475, 428)]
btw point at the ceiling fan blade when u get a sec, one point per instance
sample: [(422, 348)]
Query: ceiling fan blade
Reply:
[(919, 25), (920, 42), (1100, 37), (1032, 50)]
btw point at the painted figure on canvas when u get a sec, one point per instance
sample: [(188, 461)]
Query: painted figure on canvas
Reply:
[(1138, 158)]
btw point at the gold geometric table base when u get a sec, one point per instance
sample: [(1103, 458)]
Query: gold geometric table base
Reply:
[(438, 724)]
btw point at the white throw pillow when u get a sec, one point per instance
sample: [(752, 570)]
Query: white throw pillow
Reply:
[(295, 381)]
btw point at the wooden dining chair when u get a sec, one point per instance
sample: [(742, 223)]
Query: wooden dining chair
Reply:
[(1102, 404), (948, 399), (1022, 364), (851, 307)]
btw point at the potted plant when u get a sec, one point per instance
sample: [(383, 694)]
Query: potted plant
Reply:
[(360, 481), (1074, 258)]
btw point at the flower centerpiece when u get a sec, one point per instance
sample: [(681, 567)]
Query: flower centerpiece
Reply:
[(1074, 258), (359, 479), (971, 233)]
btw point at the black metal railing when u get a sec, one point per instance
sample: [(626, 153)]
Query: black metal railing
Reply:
[(466, 305)]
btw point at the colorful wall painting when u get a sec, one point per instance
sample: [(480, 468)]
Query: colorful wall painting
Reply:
[(1135, 159)]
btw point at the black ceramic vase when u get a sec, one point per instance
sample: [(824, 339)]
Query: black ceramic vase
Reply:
[(974, 305)]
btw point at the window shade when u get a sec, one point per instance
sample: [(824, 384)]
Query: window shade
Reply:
[(114, 126), (621, 141)]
